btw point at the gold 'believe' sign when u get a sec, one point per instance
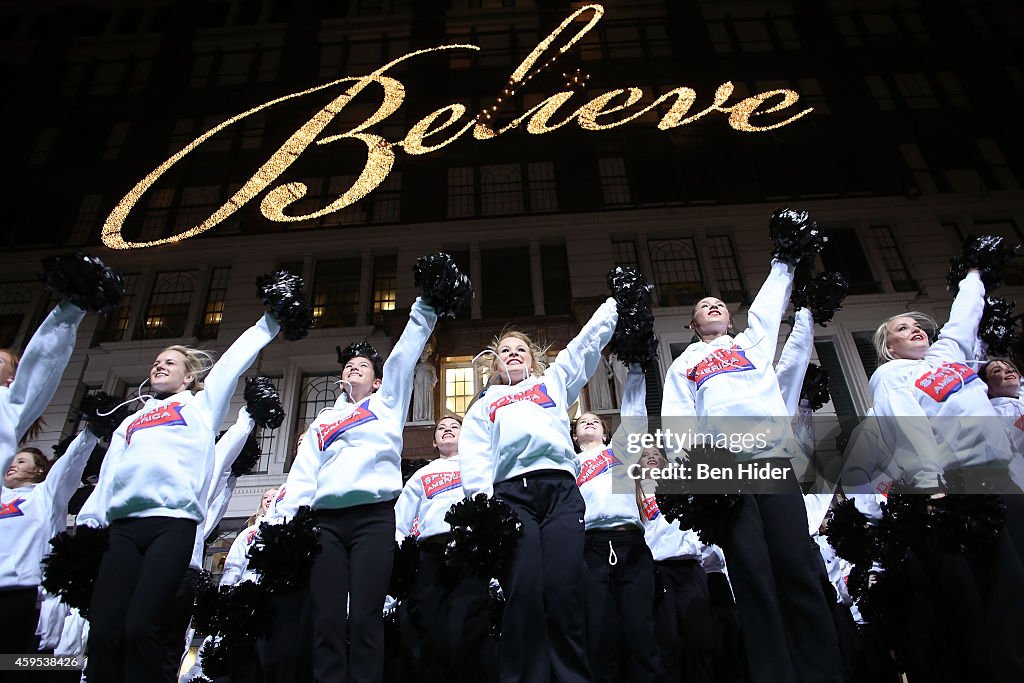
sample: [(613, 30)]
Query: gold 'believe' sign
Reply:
[(607, 110)]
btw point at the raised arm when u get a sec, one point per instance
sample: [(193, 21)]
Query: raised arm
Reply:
[(958, 336), (300, 486), (476, 460), (94, 510), (764, 317), (396, 387), (579, 359), (236, 560), (223, 378), (65, 476), (796, 354)]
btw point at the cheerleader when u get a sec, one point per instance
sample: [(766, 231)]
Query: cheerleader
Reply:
[(1004, 392), (728, 386), (35, 508), (152, 493), (516, 447), (447, 609), (620, 569), (236, 564), (936, 421)]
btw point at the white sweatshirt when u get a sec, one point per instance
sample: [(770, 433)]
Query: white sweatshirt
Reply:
[(513, 430), (32, 515), (728, 386), (667, 541), (236, 564), (37, 378), (791, 367), (945, 415), (161, 459), (226, 450), (610, 495), (352, 453), (426, 499), (1012, 410)]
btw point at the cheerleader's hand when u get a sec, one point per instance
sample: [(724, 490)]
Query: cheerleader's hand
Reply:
[(263, 402), (441, 284), (796, 236), (281, 292), (998, 326), (83, 280), (823, 295), (987, 254), (633, 340)]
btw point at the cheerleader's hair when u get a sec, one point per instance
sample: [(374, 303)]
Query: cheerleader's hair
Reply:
[(880, 339), (39, 461), (197, 362), (489, 364), (15, 358), (607, 438)]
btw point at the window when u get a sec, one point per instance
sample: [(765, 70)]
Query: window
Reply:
[(953, 88), (213, 311), (1002, 175), (87, 220), (918, 167), (541, 182), (336, 292), (844, 253), (252, 131), (140, 75), (899, 274), (316, 392), (168, 307), (614, 181), (624, 253), (385, 280), (462, 382), (15, 300), (880, 91), (115, 325), (726, 268), (387, 200), (506, 288), (158, 212), (115, 141), (460, 192), (501, 189), (107, 77), (197, 204), (677, 273), (554, 268), (266, 438), (866, 351), (44, 144), (916, 91), (235, 67)]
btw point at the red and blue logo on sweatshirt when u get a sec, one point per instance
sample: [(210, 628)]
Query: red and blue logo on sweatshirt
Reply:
[(12, 509), (326, 434), (651, 510), (163, 416), (597, 466), (439, 482), (945, 380), (536, 394), (718, 362)]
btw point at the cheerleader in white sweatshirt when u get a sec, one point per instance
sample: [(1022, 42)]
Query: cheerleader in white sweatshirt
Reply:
[(620, 570), (1004, 391), (516, 446), (153, 493), (348, 468), (447, 610), (34, 510), (726, 385)]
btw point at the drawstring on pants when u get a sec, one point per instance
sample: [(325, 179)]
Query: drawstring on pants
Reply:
[(613, 559)]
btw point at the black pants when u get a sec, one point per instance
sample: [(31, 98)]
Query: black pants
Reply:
[(782, 607), (729, 664), (138, 578), (19, 615), (683, 619), (621, 644), (354, 567), (173, 622), (286, 654), (543, 631), (446, 622)]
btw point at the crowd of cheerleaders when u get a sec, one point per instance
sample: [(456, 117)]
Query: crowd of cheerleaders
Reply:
[(521, 557)]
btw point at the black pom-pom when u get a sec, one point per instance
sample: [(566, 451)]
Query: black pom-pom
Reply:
[(205, 613), (441, 284), (281, 292), (823, 295), (904, 523), (850, 534), (359, 348), (84, 281), (485, 532), (215, 658), (796, 236), (495, 611), (245, 611), (711, 515), (633, 340), (815, 387), (248, 457), (263, 402), (103, 426), (998, 326), (403, 573), (71, 567), (284, 553), (410, 467), (988, 253), (199, 679)]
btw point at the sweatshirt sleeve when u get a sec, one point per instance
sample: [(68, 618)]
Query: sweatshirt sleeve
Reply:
[(906, 435), (764, 317), (407, 508), (236, 561), (300, 487), (222, 380), (223, 486), (396, 386), (634, 393), (65, 476), (38, 375), (796, 354), (94, 510), (577, 362), (958, 336), (475, 457), (676, 398)]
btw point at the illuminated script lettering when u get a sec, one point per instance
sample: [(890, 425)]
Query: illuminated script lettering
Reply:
[(441, 128)]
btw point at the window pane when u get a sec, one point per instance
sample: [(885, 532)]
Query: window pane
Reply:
[(501, 189), (460, 192), (385, 283), (624, 252), (507, 288), (614, 181), (336, 292), (15, 299), (554, 264), (899, 275), (115, 325), (316, 392), (266, 438), (459, 388), (677, 273), (213, 312), (168, 305), (726, 269), (845, 254)]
